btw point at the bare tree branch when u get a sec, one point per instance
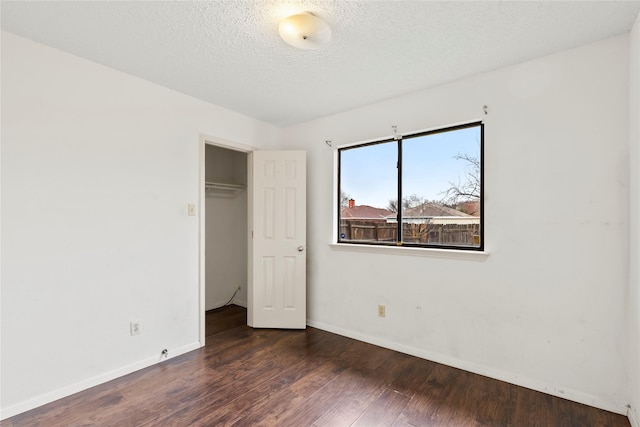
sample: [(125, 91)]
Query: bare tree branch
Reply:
[(469, 188), (344, 199), (408, 202)]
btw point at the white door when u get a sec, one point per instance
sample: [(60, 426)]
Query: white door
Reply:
[(277, 248)]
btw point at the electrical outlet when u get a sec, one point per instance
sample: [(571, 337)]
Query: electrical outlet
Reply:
[(135, 327), (381, 310)]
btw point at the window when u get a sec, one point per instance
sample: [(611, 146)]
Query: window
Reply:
[(421, 190)]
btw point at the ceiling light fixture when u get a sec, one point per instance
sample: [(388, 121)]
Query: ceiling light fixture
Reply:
[(305, 31)]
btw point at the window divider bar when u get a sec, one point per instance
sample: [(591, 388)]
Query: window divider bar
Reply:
[(399, 204)]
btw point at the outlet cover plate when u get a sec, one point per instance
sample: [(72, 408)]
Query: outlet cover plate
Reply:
[(135, 327)]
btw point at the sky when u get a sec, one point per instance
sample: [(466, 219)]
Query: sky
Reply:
[(369, 174)]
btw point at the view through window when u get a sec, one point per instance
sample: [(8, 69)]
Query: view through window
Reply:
[(421, 190)]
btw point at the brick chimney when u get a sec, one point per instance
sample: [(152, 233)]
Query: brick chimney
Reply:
[(352, 203)]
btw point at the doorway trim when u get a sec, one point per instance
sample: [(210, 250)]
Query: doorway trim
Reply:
[(230, 145)]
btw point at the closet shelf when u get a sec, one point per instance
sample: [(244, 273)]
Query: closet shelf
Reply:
[(220, 189)]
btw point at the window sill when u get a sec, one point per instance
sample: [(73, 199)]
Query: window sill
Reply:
[(422, 252)]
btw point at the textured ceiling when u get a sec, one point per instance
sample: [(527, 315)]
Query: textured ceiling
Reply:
[(229, 52)]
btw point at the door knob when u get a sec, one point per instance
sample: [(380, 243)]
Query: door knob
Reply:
[(300, 248)]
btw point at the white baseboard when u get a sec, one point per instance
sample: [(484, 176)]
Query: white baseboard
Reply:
[(512, 378), (633, 420), (43, 399)]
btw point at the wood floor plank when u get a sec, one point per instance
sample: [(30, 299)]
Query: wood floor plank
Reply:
[(352, 403), (476, 406), (407, 374), (78, 406), (306, 412), (257, 401), (375, 356), (384, 410), (429, 405), (280, 368), (271, 410), (399, 423), (224, 318), (267, 377), (535, 409)]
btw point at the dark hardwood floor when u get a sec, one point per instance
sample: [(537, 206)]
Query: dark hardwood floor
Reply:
[(246, 377)]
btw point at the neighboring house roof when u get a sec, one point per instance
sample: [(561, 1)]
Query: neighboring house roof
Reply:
[(365, 212), (471, 207), (429, 210)]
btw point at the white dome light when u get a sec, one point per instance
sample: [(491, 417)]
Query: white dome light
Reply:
[(305, 31)]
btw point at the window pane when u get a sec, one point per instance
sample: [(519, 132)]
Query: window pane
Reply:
[(441, 188), (368, 182)]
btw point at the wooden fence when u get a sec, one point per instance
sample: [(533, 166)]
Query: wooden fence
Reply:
[(381, 231)]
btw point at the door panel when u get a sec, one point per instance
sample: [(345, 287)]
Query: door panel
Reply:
[(277, 270)]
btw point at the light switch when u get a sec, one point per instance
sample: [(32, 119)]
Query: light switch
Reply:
[(191, 209)]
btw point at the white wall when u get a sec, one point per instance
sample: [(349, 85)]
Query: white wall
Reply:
[(226, 229), (634, 246), (97, 170), (545, 309)]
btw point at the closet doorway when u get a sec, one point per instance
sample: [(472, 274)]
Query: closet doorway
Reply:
[(252, 249), (224, 228)]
